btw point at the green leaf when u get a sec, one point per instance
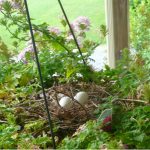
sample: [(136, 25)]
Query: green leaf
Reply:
[(104, 114), (140, 137)]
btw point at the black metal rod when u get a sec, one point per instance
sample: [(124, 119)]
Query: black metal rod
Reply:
[(40, 74), (71, 30)]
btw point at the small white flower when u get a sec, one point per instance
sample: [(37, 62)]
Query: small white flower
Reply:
[(79, 75), (81, 24), (55, 74), (22, 54), (75, 50), (1, 3), (54, 30), (71, 39)]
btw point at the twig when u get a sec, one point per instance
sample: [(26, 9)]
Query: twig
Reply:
[(133, 100), (3, 121), (94, 104)]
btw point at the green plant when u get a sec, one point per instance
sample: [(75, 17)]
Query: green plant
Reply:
[(16, 133), (140, 27), (62, 63), (90, 137), (4, 51), (56, 47), (135, 131)]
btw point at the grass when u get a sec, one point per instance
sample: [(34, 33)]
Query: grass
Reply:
[(49, 11)]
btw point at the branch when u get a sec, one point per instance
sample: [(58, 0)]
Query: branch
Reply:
[(133, 100)]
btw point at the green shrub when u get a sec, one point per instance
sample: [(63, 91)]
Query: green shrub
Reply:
[(140, 27)]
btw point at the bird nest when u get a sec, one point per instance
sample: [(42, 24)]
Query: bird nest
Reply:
[(78, 114), (67, 120)]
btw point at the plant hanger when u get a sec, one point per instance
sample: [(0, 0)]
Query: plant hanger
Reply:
[(38, 63), (71, 30), (40, 73)]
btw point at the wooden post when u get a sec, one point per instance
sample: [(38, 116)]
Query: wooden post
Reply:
[(118, 28)]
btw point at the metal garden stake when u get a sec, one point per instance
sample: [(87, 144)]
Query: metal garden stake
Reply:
[(71, 30), (40, 74)]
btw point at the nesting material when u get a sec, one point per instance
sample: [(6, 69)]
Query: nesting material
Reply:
[(65, 113), (68, 120)]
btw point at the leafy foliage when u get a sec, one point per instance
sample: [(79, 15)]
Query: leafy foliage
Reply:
[(130, 131), (90, 138), (135, 131), (12, 134), (61, 62), (140, 27)]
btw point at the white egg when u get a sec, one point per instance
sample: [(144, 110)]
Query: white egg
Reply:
[(60, 95), (81, 97), (66, 102)]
